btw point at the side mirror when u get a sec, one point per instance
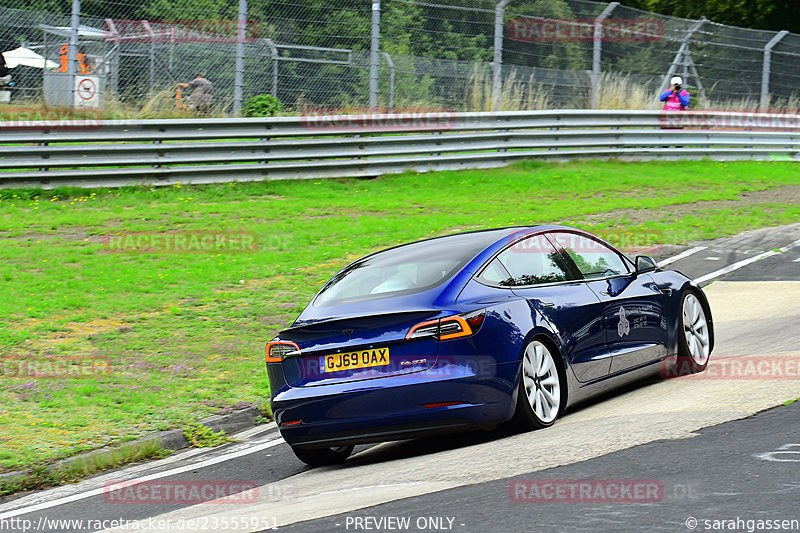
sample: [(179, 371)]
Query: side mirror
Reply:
[(645, 264)]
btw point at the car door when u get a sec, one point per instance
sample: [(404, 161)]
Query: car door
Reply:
[(633, 306), (536, 271)]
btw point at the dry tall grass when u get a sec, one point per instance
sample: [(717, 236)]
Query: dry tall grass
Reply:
[(619, 91), (517, 94)]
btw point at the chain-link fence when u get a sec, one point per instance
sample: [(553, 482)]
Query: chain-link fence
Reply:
[(465, 55)]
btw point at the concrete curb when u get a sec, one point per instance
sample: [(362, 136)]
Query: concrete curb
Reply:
[(172, 439)]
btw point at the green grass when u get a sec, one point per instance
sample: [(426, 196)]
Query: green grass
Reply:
[(160, 340), (42, 476), (200, 436)]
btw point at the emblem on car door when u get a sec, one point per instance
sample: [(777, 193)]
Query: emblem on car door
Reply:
[(624, 327)]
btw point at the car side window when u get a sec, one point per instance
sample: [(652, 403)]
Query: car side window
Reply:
[(533, 261), (495, 274), (593, 258)]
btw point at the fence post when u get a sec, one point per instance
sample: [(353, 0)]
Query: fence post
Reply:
[(113, 56), (152, 57), (72, 51), (273, 55), (596, 52), (390, 64), (238, 81), (766, 66), (497, 61), (373, 56)]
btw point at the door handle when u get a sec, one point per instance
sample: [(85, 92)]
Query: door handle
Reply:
[(605, 293), (546, 304)]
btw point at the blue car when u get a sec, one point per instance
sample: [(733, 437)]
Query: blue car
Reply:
[(476, 329)]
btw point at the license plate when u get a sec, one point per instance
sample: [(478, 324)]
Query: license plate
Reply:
[(348, 361)]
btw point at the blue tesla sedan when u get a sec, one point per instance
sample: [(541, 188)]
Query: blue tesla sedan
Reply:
[(475, 329)]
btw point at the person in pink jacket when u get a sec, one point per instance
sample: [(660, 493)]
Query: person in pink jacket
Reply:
[(675, 98)]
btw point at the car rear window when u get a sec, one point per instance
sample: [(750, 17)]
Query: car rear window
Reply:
[(407, 269)]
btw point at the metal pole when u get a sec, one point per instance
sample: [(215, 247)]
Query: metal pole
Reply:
[(273, 54), (679, 56), (72, 51), (700, 89), (765, 67), (390, 64), (149, 29), (597, 52), (373, 57), (113, 61), (238, 82), (497, 60)]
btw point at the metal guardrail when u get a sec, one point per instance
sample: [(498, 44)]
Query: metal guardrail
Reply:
[(164, 152)]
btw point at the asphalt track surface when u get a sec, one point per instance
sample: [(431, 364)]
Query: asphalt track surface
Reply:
[(694, 439)]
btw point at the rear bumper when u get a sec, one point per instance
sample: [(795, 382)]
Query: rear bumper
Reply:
[(385, 409)]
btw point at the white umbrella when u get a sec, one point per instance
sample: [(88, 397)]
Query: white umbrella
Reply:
[(23, 56)]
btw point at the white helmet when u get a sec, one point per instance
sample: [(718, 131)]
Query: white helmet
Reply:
[(676, 80)]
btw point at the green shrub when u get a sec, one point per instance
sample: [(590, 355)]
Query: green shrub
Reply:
[(263, 105)]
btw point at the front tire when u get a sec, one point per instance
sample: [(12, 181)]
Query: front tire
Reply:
[(541, 395), (694, 342), (323, 456)]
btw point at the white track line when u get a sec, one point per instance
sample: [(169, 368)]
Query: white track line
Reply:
[(136, 481), (745, 262), (685, 253)]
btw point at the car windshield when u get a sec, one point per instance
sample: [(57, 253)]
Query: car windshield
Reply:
[(407, 269)]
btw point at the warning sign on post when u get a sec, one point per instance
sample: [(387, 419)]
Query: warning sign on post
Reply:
[(87, 93)]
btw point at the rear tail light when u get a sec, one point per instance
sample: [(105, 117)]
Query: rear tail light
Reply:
[(449, 327), (277, 351)]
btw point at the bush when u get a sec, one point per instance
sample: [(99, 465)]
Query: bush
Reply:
[(263, 105)]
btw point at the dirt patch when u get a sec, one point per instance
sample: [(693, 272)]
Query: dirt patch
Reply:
[(789, 194), (67, 234)]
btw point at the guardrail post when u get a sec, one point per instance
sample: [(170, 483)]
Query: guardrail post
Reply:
[(72, 51), (238, 82), (497, 61), (597, 51), (765, 67), (373, 56)]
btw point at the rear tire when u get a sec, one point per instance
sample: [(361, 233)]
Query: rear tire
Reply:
[(541, 393), (323, 456)]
